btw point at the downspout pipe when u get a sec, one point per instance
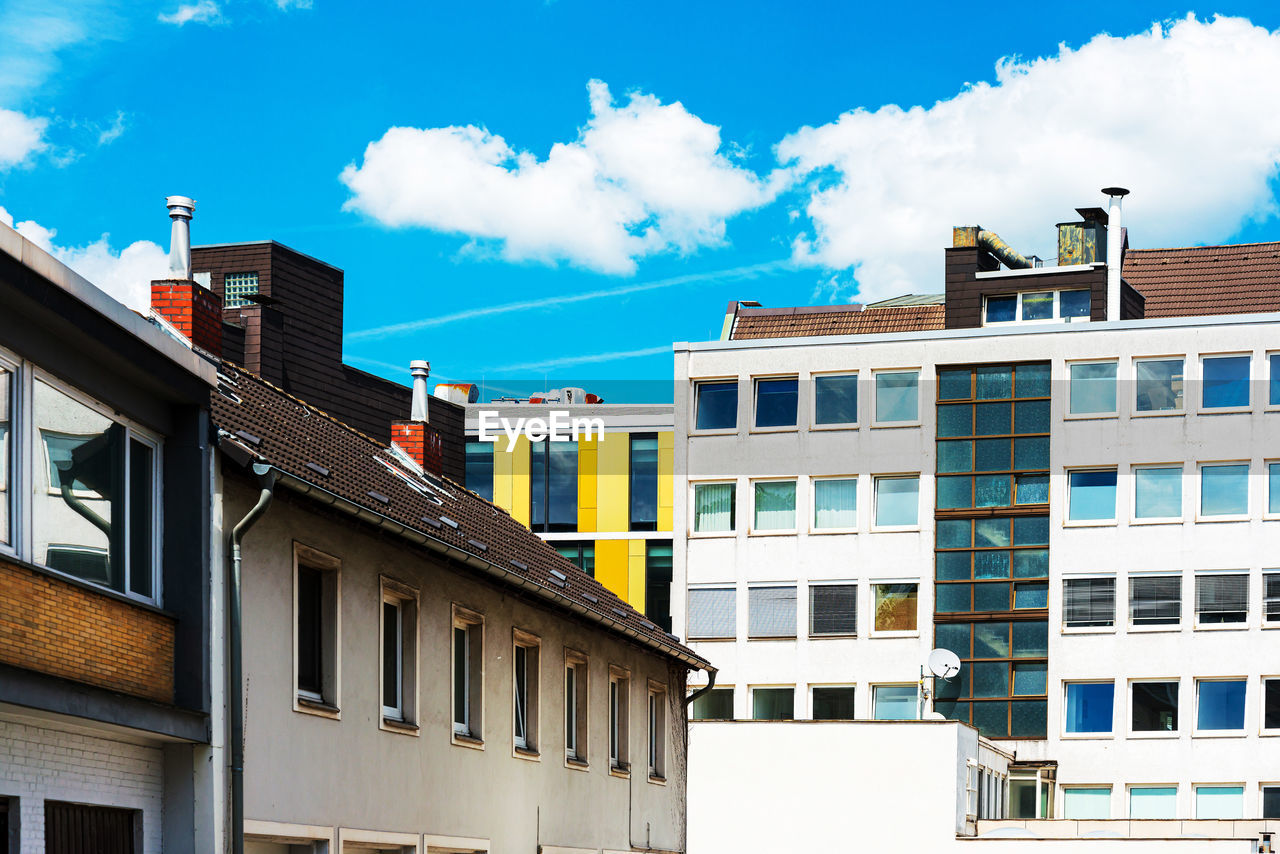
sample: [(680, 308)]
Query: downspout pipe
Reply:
[(711, 683), (266, 476)]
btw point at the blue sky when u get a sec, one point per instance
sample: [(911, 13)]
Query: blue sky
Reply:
[(528, 223)]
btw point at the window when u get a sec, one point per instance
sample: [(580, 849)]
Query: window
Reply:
[(897, 501), (713, 507), (237, 288), (1089, 707), (581, 554), (1157, 492), (6, 450), (1089, 602), (316, 631), (775, 505), (1271, 801), (1086, 802), (894, 702), (713, 613), (833, 704), (895, 607), (1220, 704), (713, 705), (835, 399), (644, 482), (1225, 382), (1222, 598), (1155, 707), (1224, 490), (576, 705), (1037, 306), (1274, 397), (657, 582), (776, 402), (835, 503), (1271, 597), (468, 676), (1222, 802), (553, 486), (479, 471), (399, 652), (833, 610), (771, 612), (1158, 384), (1271, 703), (657, 733), (1153, 802), (1092, 495), (1273, 487), (524, 681), (897, 397), (96, 482), (619, 685), (1093, 388), (1155, 600), (773, 704), (1004, 671), (717, 405)]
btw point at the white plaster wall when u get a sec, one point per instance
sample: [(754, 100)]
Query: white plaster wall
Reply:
[(1250, 651), (39, 764)]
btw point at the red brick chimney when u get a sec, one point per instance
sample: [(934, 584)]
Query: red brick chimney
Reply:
[(195, 311), (416, 437)]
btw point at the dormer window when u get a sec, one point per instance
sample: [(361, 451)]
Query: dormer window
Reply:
[(1037, 307)]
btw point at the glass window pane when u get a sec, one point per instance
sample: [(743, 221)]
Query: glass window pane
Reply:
[(991, 455), (1155, 600), (1002, 309), (1158, 385), (897, 501), (1092, 495), (717, 406), (1086, 803), (990, 679), (1274, 397), (1031, 531), (1273, 488), (954, 493), (1031, 639), (1031, 563), (992, 719), (1031, 453), (1155, 706), (644, 482), (991, 533), (1089, 602), (953, 533), (776, 402), (713, 507), (713, 612), (460, 667), (1093, 388), (991, 564), (657, 580), (994, 382), (1031, 416), (897, 396), (954, 384), (773, 704), (1037, 306), (1032, 489), (955, 419), (1226, 381), (1157, 493), (835, 399), (775, 506), (6, 407), (992, 490), (953, 636), (953, 598), (1220, 704), (955, 456), (954, 566), (1090, 706), (390, 655), (1153, 802), (833, 609), (1271, 801), (1031, 595), (895, 606), (1030, 679), (1224, 490), (479, 468), (833, 704), (1073, 304), (835, 503), (714, 705), (993, 419), (1222, 802), (771, 612), (1028, 718), (1032, 380), (894, 702), (142, 479), (991, 597), (990, 640)]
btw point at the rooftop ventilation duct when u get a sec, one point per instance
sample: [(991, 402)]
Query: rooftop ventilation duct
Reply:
[(421, 370), (989, 241), (1115, 250), (181, 209)]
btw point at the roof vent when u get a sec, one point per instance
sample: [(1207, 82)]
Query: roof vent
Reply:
[(181, 209)]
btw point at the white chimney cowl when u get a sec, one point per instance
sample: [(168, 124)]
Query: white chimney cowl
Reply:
[(421, 370), (1115, 250), (181, 209)]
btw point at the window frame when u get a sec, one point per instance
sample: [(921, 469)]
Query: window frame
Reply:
[(814, 584), (732, 699), (752, 529), (1201, 407), (732, 530), (756, 380), (1087, 735), (876, 421), (833, 686), (532, 743), (1272, 361), (1115, 603), (1111, 521), (1267, 622), (1176, 732), (1225, 517), (1134, 518), (696, 399), (1224, 625), (546, 526), (730, 586), (1198, 732), (619, 710), (813, 402), (813, 528), (875, 501), (632, 523), (406, 598), (1093, 787), (1069, 414), (1263, 729), (472, 623), (774, 585), (656, 741), (893, 633), (751, 698), (328, 702), (1269, 491), (1057, 308), (578, 755), (1130, 626), (875, 688), (1129, 797), (1134, 411), (1195, 797)]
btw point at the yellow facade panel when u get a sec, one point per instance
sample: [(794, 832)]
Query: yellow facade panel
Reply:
[(612, 565), (666, 480), (519, 509), (636, 577), (612, 493), (502, 476)]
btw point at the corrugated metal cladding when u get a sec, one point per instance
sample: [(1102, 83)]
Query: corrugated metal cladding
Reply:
[(85, 829)]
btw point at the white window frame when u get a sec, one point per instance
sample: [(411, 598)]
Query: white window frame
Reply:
[(1248, 490), (697, 383), (1068, 522), (1128, 795), (878, 685), (1230, 784), (406, 597), (1134, 412), (872, 631), (1068, 415), (1090, 736), (1062, 797), (328, 703), (775, 585), (1201, 409), (656, 742), (1266, 489), (1196, 732), (1130, 732), (577, 711), (1134, 518), (752, 530), (857, 607), (1267, 405), (1057, 308), (724, 585), (876, 421), (813, 505), (619, 720), (751, 698), (1195, 605), (1263, 729), (851, 686), (694, 533), (472, 623), (756, 379), (1116, 603), (813, 403), (1130, 626), (875, 501), (528, 744)]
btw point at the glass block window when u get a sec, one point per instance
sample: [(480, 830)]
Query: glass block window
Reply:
[(237, 287)]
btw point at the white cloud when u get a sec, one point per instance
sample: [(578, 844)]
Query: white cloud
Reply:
[(201, 12), (20, 137), (113, 131), (285, 5), (584, 359), (125, 275), (1183, 115), (641, 178)]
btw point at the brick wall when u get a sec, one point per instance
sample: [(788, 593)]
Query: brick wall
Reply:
[(55, 627), (194, 311), (39, 764)]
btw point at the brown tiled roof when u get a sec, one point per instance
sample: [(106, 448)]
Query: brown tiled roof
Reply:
[(834, 320), (1201, 280), (322, 453)]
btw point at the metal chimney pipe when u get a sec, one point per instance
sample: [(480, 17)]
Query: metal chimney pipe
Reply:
[(420, 369), (181, 209), (1115, 250)]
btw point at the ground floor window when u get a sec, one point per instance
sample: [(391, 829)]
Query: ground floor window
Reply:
[(87, 829), (1153, 801)]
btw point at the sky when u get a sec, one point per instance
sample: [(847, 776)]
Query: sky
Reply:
[(539, 193)]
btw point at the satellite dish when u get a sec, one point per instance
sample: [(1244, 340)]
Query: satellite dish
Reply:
[(944, 663)]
